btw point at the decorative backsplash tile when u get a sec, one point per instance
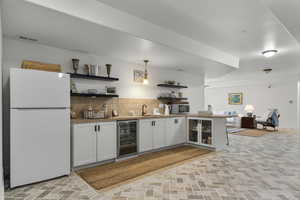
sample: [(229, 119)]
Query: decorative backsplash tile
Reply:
[(123, 105)]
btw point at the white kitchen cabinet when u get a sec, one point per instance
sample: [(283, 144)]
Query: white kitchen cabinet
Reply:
[(180, 130), (151, 134), (93, 142), (146, 135), (170, 132), (106, 141), (175, 131), (84, 144), (207, 132), (159, 133)]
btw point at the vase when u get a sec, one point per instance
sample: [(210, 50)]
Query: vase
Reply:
[(75, 63), (108, 69)]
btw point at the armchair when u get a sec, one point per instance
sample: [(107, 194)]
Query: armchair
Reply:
[(271, 121)]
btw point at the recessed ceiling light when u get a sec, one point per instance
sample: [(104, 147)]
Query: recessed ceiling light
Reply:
[(269, 53)]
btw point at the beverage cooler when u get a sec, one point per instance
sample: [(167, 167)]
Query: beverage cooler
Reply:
[(127, 138)]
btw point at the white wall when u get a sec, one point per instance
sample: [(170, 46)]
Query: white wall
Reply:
[(261, 97), (15, 51), (1, 152)]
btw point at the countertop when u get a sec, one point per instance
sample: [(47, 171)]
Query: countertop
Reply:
[(120, 118), (211, 116)]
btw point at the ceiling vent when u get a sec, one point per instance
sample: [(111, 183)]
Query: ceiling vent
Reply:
[(267, 70), (21, 37)]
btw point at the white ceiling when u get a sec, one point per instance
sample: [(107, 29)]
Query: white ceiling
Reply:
[(240, 27), (287, 12), (64, 31)]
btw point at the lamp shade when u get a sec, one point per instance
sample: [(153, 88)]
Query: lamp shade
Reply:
[(249, 108)]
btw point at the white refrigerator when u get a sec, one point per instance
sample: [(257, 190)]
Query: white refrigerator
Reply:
[(39, 126)]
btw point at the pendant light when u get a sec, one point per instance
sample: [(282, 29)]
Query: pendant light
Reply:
[(146, 73)]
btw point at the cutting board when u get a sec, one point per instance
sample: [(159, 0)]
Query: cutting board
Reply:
[(28, 64)]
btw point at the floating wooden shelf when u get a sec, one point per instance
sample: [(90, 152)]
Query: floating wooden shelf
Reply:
[(101, 78), (172, 86), (172, 98), (94, 95)]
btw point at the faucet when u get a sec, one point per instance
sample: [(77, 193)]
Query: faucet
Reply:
[(144, 107)]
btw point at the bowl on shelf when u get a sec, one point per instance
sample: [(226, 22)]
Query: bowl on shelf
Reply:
[(92, 91), (170, 82)]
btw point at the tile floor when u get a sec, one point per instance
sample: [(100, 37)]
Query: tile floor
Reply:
[(251, 168)]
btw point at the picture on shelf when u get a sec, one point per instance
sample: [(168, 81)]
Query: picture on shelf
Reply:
[(235, 98), (138, 76)]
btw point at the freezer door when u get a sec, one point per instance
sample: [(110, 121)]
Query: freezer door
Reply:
[(39, 89), (40, 145)]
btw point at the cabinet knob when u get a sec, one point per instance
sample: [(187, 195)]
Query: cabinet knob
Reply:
[(95, 127), (99, 128)]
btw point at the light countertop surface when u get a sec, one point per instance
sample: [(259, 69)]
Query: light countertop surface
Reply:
[(120, 118)]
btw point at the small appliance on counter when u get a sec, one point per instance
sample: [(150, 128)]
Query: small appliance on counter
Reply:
[(180, 108)]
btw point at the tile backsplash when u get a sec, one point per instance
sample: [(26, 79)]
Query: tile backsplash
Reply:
[(123, 105)]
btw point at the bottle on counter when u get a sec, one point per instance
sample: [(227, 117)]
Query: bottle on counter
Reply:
[(167, 109)]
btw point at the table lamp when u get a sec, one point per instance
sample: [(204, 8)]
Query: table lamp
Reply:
[(249, 109)]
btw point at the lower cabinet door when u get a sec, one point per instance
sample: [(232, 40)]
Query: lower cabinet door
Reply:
[(146, 135), (170, 132), (180, 130), (175, 131), (106, 141), (159, 134), (84, 144)]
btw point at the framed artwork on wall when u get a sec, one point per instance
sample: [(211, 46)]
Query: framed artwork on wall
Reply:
[(138, 76), (235, 98)]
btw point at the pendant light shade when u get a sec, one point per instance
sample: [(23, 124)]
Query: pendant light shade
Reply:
[(146, 81)]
